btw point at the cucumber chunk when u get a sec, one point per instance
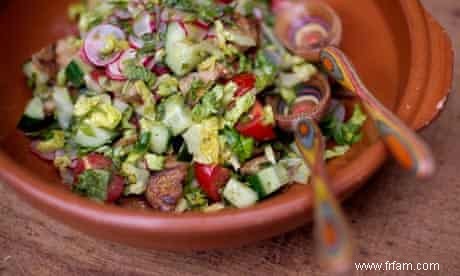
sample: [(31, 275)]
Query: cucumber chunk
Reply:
[(239, 194), (159, 138), (269, 180), (182, 56)]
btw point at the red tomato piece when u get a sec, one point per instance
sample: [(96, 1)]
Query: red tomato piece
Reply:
[(211, 178), (245, 82), (97, 161), (115, 189), (255, 127)]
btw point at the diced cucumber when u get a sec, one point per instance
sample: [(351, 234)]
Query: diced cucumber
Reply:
[(182, 56), (269, 180), (177, 116), (92, 137), (154, 162), (159, 138), (239, 194), (34, 109), (64, 106)]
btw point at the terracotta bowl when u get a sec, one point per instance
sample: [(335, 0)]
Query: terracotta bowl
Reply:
[(402, 54)]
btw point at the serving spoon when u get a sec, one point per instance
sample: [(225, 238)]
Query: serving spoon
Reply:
[(334, 244), (312, 30)]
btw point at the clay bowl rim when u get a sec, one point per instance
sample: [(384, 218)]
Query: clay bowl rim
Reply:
[(47, 197)]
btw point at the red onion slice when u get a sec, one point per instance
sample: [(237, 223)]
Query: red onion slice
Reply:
[(95, 42), (135, 42)]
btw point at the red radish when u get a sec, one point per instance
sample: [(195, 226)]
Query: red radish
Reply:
[(201, 24), (160, 69), (113, 72), (83, 56), (144, 24), (135, 42), (115, 189), (95, 42), (47, 156), (148, 62)]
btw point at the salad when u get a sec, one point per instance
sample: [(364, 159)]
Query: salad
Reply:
[(169, 105)]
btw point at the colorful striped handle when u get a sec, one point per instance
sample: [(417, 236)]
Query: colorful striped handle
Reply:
[(406, 146), (334, 243)]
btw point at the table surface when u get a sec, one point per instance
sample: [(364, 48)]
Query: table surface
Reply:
[(394, 219)]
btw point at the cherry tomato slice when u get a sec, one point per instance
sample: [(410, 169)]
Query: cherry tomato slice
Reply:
[(97, 161), (211, 178), (115, 189), (255, 126), (245, 82)]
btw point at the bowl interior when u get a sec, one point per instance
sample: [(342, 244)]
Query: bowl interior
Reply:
[(375, 37)]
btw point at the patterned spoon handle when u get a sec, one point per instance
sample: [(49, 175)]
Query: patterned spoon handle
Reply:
[(332, 235), (406, 146)]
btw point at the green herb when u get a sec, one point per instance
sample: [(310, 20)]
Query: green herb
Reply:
[(143, 143), (93, 184), (135, 72), (346, 133), (265, 71), (241, 146), (210, 104), (74, 74), (205, 9), (149, 47)]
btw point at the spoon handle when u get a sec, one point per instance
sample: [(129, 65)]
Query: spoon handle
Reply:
[(332, 235), (407, 147)]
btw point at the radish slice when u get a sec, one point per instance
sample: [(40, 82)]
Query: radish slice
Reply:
[(95, 42), (126, 55), (143, 24), (113, 72), (83, 56), (148, 62), (135, 42)]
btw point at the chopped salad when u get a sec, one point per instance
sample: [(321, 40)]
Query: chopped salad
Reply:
[(167, 105)]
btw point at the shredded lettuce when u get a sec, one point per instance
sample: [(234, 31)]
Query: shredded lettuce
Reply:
[(56, 142), (265, 71), (344, 133), (242, 105), (241, 146), (210, 104)]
